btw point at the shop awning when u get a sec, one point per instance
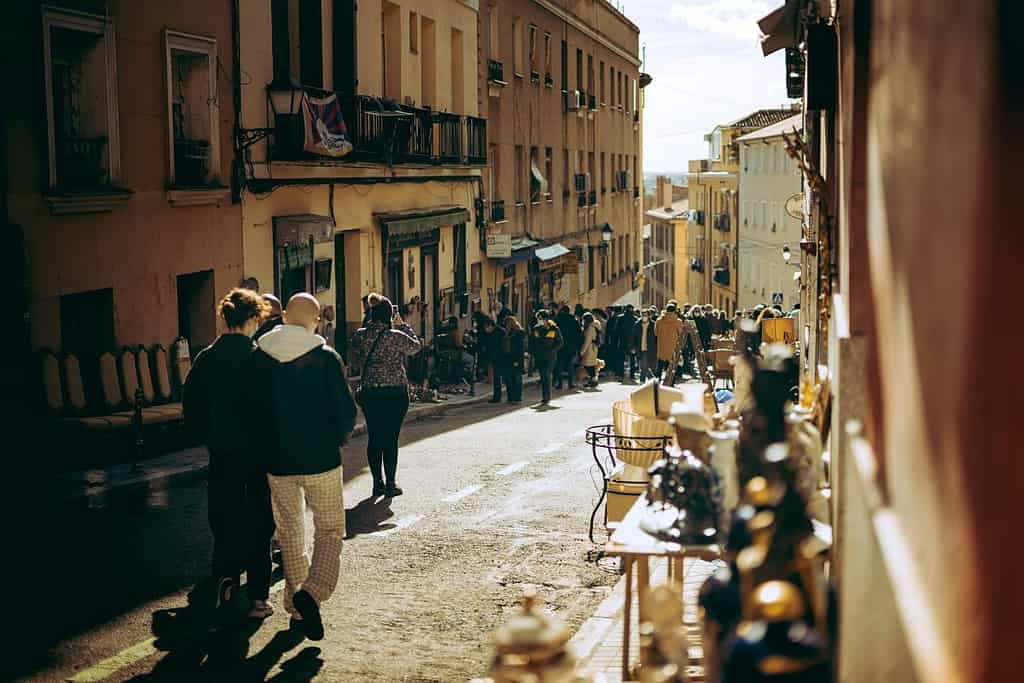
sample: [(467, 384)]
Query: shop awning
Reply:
[(781, 28), (422, 220), (522, 250), (551, 252)]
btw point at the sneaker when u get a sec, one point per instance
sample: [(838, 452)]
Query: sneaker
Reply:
[(311, 623), (393, 491), (261, 609)]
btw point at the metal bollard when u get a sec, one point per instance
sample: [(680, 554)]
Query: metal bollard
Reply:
[(137, 429)]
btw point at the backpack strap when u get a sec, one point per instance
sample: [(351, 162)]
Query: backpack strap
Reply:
[(366, 364)]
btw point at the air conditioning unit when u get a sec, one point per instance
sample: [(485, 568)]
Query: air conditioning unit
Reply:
[(574, 100)]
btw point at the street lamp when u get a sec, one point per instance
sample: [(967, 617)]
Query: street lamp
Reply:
[(606, 233), (786, 253)]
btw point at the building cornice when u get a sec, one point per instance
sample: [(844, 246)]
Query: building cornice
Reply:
[(592, 33)]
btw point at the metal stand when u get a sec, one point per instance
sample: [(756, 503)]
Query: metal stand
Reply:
[(604, 438)]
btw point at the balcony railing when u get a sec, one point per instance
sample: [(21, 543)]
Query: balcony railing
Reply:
[(549, 80), (721, 276), (497, 210), (592, 102), (721, 222), (385, 132), (495, 71)]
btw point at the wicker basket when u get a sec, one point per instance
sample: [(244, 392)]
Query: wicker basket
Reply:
[(629, 426)]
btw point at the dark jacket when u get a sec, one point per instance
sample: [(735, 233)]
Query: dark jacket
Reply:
[(491, 343), (652, 340), (268, 324), (572, 334), (624, 331), (545, 341), (516, 349), (215, 394), (703, 330), (302, 401)]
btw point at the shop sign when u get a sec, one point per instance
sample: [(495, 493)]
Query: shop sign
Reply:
[(499, 246), (795, 206)]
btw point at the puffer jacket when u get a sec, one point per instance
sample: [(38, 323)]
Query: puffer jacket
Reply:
[(545, 342)]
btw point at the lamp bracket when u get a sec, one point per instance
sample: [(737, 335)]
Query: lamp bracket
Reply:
[(247, 137)]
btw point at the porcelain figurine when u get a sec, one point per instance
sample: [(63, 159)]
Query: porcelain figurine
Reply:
[(686, 499), (764, 423)]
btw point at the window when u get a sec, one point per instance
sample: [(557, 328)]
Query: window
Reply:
[(517, 39), (579, 69), (547, 53), (520, 173), (311, 43), (538, 182), (601, 82), (601, 174), (548, 171), (533, 48), (391, 18), (565, 66), (495, 171), (494, 33), (414, 33), (566, 180), (611, 85), (458, 66), (191, 63), (81, 99), (590, 74), (428, 62)]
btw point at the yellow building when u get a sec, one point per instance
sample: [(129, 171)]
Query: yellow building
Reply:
[(714, 211), (666, 261), (398, 212)]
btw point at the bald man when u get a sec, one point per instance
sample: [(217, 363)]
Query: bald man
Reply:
[(274, 317), (302, 397)]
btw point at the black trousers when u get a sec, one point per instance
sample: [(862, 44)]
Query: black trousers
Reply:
[(241, 519), (385, 410)]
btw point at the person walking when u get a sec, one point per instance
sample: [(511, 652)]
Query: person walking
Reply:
[(667, 330), (382, 348), (591, 344), (515, 340), (572, 338), (495, 348), (645, 344), (216, 412), (273, 317), (299, 391), (545, 343)]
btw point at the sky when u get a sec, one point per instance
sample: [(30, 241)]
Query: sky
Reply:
[(706, 61)]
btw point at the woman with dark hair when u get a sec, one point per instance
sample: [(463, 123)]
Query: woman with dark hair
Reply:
[(513, 363), (216, 406), (381, 348)]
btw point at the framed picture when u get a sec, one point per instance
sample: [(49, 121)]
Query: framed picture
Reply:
[(322, 274)]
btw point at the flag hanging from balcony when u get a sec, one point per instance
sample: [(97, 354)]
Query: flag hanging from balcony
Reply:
[(324, 125)]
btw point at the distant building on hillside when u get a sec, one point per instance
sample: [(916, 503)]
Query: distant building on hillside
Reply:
[(665, 244)]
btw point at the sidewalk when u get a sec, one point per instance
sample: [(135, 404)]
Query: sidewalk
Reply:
[(598, 642), (191, 464)]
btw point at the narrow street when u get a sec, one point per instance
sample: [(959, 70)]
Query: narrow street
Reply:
[(497, 500)]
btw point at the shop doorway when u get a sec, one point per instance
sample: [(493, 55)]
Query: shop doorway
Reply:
[(394, 287), (197, 317), (429, 287)]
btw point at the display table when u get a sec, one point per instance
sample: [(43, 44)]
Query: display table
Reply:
[(636, 547)]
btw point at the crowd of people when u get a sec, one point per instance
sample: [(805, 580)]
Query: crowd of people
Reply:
[(271, 401), (571, 348)]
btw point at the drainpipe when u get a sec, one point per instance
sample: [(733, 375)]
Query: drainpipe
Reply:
[(237, 165)]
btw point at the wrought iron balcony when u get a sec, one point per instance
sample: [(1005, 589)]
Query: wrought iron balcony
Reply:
[(592, 102), (476, 140), (721, 275), (549, 80), (497, 210), (721, 222), (450, 137), (495, 71), (581, 201)]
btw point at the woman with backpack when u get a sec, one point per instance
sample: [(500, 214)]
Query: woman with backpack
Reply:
[(381, 349), (591, 343)]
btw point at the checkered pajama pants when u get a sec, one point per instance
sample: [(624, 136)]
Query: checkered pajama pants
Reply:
[(323, 494)]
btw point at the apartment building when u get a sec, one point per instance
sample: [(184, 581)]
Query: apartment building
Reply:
[(714, 210), (563, 95), (769, 178), (118, 149), (362, 151), (665, 245)]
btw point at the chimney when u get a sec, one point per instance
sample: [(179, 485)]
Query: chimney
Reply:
[(663, 193)]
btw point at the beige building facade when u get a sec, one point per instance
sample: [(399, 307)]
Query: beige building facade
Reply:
[(667, 260), (561, 88), (398, 213), (714, 211), (769, 178)]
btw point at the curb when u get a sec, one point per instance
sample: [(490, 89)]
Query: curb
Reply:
[(166, 476)]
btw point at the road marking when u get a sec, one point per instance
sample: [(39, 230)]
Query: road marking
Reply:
[(550, 448), (108, 667), (511, 469), (403, 523), (582, 432), (464, 493)]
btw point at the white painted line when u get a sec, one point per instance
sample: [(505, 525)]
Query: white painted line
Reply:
[(550, 448), (403, 523), (579, 434), (511, 469), (108, 667), (464, 493)]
